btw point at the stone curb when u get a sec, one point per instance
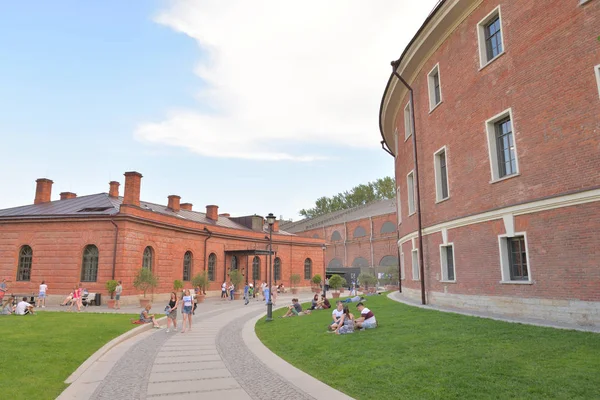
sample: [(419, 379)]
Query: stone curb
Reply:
[(303, 381), (108, 346)]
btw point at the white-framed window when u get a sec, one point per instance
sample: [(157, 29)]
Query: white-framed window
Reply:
[(410, 190), (514, 258), (402, 273), (502, 146), (435, 88), (398, 205), (447, 262), (415, 264), (407, 121), (396, 143), (440, 164), (490, 37), (597, 69)]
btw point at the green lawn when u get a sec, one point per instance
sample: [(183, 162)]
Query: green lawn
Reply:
[(39, 352), (424, 354)]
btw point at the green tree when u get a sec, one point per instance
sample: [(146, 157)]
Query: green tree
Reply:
[(383, 188)]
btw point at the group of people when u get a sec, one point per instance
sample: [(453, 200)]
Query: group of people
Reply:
[(11, 306), (187, 304)]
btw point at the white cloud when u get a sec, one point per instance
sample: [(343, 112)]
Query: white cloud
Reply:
[(282, 73)]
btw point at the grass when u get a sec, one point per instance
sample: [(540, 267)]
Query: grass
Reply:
[(39, 352), (425, 354)]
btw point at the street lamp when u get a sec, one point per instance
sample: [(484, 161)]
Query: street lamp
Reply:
[(323, 247), (270, 220)]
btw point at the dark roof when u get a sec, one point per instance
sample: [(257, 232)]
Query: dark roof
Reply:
[(380, 207), (103, 204)]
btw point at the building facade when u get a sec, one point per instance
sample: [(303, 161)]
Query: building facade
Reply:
[(92, 239), (361, 239), (506, 103)]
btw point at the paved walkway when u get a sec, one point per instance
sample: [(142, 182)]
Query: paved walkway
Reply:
[(220, 358)]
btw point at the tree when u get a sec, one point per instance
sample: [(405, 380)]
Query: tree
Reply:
[(201, 280), (177, 284), (111, 286), (335, 281), (367, 279), (144, 280), (236, 278), (383, 188)]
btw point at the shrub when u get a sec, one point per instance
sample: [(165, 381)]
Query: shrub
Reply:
[(367, 279), (236, 278), (111, 286), (144, 280), (336, 281), (177, 284), (201, 280), (316, 279), (295, 279)]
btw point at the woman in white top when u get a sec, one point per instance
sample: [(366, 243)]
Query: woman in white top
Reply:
[(187, 310), (42, 295)]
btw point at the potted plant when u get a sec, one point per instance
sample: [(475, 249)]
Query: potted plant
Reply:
[(236, 278), (368, 280), (343, 285), (335, 282), (111, 286), (316, 280), (393, 277), (144, 279), (177, 285), (295, 280), (200, 280)]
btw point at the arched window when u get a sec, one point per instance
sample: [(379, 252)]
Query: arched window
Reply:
[(359, 232), (256, 268), (277, 269), (360, 262), (307, 268), (335, 263), (24, 269), (212, 262), (389, 261), (187, 266), (335, 236), (89, 266), (388, 227), (148, 260), (234, 263)]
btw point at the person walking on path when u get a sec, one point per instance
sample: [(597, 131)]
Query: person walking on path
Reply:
[(246, 294), (171, 311), (3, 289), (187, 311), (118, 291), (224, 290), (42, 295), (273, 295), (266, 294), (231, 291)]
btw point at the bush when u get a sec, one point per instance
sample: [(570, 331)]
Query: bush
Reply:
[(316, 279), (144, 280), (336, 281), (201, 280), (367, 279), (236, 278), (177, 284), (295, 279), (111, 286)]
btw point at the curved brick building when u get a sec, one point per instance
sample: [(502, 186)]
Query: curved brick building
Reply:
[(94, 238), (507, 120)]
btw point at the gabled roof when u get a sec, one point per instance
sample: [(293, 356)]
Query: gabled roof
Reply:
[(380, 207), (103, 204)]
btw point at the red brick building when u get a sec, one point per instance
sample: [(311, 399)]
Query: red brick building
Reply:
[(361, 239), (95, 238), (507, 119)]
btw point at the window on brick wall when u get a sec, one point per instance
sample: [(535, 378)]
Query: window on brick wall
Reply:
[(335, 236), (148, 258), (415, 264), (359, 232), (25, 261), (212, 264), (597, 70), (396, 143), (402, 273), (491, 41), (447, 261), (307, 268), (187, 266), (89, 264), (410, 183), (440, 163), (514, 259), (398, 205), (435, 88), (387, 227), (407, 121), (256, 268), (234, 263), (277, 269), (502, 146)]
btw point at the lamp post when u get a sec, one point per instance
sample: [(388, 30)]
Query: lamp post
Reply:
[(324, 247), (270, 220)]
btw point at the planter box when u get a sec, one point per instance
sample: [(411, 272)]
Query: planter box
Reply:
[(144, 302), (237, 295), (111, 303), (335, 295), (294, 291), (200, 298)]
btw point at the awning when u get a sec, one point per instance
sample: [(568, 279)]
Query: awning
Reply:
[(249, 252)]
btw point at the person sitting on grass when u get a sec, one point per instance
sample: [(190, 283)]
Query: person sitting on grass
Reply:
[(355, 299), (7, 307), (147, 318), (24, 308), (367, 318), (346, 324), (337, 316), (315, 302), (324, 303), (295, 310)]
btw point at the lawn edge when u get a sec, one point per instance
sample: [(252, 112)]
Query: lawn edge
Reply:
[(107, 347)]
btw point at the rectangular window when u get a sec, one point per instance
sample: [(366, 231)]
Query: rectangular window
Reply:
[(435, 90), (447, 260), (441, 174), (402, 266), (597, 69), (396, 143), (489, 34), (514, 259), (415, 264), (502, 146), (398, 206), (407, 121), (410, 182)]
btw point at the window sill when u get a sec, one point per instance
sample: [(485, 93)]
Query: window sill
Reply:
[(582, 2), (516, 282), (492, 60), (410, 214), (504, 178), (442, 200), (416, 280), (436, 106), (407, 137), (448, 281)]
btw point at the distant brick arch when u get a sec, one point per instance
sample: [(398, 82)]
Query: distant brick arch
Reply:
[(359, 232), (335, 236), (360, 262), (388, 227), (335, 263), (388, 261)]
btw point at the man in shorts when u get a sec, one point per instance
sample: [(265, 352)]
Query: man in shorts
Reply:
[(367, 318), (118, 291), (24, 308)]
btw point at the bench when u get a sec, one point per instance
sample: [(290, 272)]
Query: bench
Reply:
[(88, 299)]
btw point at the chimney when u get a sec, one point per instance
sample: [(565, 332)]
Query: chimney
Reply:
[(43, 191), (114, 189), (133, 183), (174, 203), (226, 215), (187, 206), (276, 226), (67, 195), (212, 212)]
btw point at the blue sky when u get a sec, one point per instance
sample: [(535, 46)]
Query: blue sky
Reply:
[(252, 116)]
